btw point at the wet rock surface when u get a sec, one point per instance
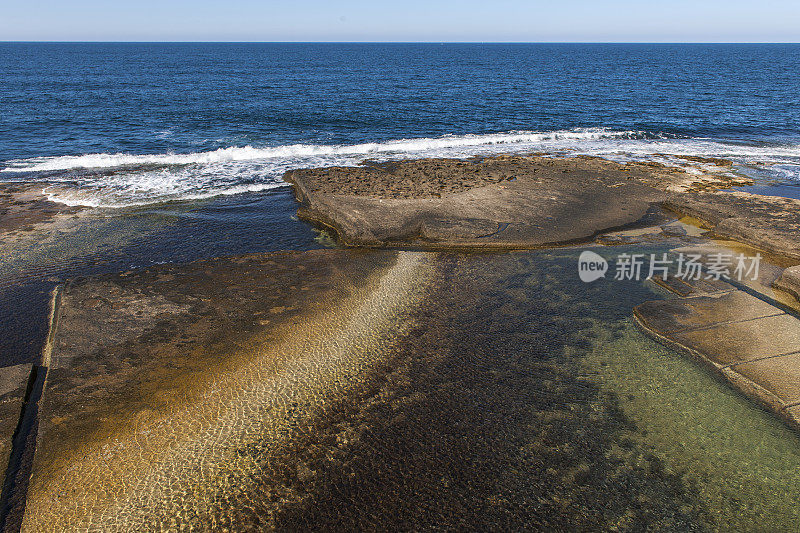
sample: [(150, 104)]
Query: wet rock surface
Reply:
[(767, 222), (790, 281), (751, 342), (482, 419), (497, 202), (376, 390), (22, 206), (159, 375), (13, 386), (520, 202), (476, 415)]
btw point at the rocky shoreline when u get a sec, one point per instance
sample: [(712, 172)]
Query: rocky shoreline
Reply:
[(502, 202), (769, 223), (511, 202), (161, 379), (528, 202), (746, 339), (23, 206)]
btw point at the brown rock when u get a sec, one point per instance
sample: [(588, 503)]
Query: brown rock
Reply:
[(504, 202), (753, 344), (13, 386), (790, 281), (767, 222)]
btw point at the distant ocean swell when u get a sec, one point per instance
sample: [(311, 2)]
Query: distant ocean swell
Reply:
[(117, 180)]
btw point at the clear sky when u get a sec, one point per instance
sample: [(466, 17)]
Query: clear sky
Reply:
[(406, 20)]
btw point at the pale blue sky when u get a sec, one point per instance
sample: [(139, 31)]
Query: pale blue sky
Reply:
[(408, 20)]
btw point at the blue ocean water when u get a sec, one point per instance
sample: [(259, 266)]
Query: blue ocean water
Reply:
[(120, 124)]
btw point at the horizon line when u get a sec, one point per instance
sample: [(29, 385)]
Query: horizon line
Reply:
[(42, 41)]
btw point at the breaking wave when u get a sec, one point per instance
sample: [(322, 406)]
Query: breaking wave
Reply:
[(249, 153), (114, 180)]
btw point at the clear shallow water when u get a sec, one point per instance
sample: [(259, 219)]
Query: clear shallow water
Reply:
[(101, 241), (503, 394), (121, 124), (523, 399), (521, 391)]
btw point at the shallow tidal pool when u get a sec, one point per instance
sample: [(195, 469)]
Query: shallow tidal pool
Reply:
[(511, 396), (524, 398)]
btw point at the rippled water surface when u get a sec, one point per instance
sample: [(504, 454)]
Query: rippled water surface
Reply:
[(99, 241), (523, 399), (527, 400), (122, 124)]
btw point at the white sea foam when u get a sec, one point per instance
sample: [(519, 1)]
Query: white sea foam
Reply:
[(113, 180), (249, 153)]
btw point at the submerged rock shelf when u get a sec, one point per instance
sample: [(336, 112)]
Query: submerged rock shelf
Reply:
[(163, 382), (752, 343), (379, 387), (358, 389)]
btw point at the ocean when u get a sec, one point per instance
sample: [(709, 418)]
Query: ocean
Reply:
[(180, 148), (122, 124), (472, 389)]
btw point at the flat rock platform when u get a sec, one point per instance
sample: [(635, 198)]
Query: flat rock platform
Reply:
[(751, 342), (502, 202)]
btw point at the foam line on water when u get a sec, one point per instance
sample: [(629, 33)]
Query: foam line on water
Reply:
[(250, 153), (120, 180)]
